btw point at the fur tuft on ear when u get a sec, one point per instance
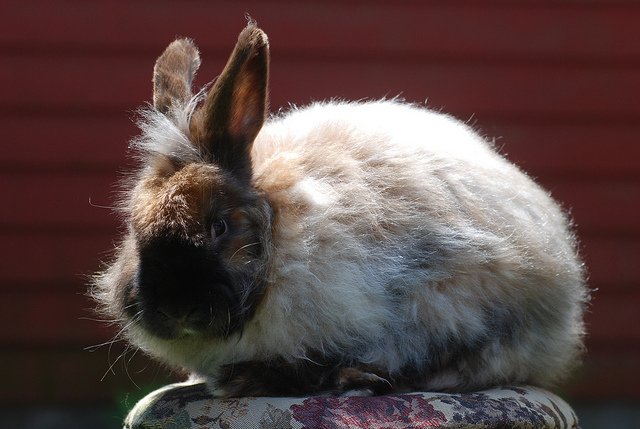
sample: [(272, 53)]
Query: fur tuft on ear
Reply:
[(236, 106), (173, 74)]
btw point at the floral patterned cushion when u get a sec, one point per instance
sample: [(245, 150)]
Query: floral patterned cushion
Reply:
[(184, 405)]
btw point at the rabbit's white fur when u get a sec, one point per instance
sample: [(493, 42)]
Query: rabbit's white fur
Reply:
[(399, 238)]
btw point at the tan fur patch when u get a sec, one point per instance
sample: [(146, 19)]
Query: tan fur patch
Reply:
[(176, 204), (276, 177)]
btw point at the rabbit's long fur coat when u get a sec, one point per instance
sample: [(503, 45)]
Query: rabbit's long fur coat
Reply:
[(396, 240)]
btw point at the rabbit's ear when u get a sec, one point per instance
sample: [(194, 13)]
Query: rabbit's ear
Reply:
[(173, 74), (235, 108)]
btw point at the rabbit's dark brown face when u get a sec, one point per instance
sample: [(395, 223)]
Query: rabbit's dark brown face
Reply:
[(195, 259), (200, 239)]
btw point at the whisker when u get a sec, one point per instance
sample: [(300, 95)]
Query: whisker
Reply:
[(95, 347), (109, 321), (136, 318), (243, 247), (305, 357), (98, 206), (126, 307), (126, 367), (112, 364)]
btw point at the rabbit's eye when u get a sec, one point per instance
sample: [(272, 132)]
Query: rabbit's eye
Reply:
[(218, 227)]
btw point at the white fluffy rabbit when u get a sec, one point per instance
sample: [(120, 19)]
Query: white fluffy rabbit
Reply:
[(371, 245)]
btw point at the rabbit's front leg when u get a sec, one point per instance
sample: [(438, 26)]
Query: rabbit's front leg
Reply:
[(281, 378)]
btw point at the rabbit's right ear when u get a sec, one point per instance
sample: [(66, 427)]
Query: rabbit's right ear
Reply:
[(173, 74), (235, 108)]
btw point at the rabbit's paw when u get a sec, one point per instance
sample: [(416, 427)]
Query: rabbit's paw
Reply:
[(356, 382), (282, 378)]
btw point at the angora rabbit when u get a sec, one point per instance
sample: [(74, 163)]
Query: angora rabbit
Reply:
[(369, 246)]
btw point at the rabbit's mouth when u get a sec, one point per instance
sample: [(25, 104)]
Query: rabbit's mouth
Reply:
[(179, 321), (166, 318), (187, 294), (174, 319)]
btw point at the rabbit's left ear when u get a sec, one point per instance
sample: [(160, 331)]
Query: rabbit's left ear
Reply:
[(173, 75), (235, 108)]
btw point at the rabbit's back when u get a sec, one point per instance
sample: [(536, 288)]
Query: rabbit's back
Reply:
[(401, 239), (393, 169)]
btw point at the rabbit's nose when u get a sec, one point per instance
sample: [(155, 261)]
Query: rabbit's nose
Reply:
[(183, 316)]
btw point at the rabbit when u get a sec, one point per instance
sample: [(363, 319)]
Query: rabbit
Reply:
[(372, 246)]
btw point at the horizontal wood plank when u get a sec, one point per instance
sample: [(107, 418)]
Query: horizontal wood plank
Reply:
[(586, 150), (53, 318), (60, 312), (509, 91), (611, 261), (606, 207), (82, 201), (52, 376), (49, 376), (606, 373), (562, 29), (40, 260), (610, 310), (62, 202), (66, 142), (68, 318), (35, 260), (86, 143)]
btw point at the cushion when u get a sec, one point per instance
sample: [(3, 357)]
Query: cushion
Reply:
[(186, 405)]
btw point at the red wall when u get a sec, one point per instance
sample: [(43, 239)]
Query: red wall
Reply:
[(557, 82)]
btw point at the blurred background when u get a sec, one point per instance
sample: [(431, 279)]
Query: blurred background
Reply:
[(555, 83)]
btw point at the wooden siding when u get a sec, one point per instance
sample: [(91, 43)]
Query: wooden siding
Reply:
[(555, 82)]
